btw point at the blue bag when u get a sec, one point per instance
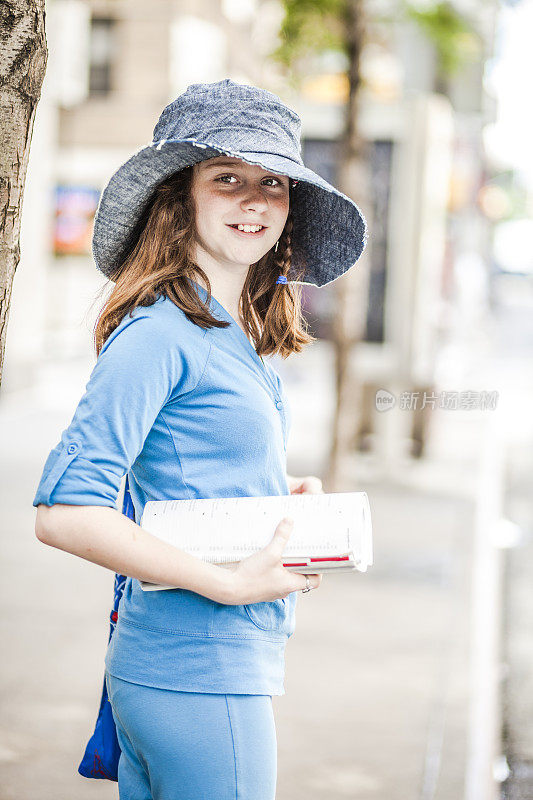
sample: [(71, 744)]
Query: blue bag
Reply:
[(103, 750)]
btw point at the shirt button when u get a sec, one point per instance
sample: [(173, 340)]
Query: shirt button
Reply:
[(279, 404), (72, 448)]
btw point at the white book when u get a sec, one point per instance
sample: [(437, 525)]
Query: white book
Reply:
[(332, 532)]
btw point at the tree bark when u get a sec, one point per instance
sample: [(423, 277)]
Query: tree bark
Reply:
[(351, 290), (23, 58)]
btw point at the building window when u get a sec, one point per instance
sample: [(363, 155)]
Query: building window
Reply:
[(102, 50)]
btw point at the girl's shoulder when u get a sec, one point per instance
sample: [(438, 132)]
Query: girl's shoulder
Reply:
[(165, 318), (160, 327), (167, 313)]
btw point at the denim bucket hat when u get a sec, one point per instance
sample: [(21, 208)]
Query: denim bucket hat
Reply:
[(252, 124)]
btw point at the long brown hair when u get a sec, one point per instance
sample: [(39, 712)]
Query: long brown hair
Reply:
[(157, 260)]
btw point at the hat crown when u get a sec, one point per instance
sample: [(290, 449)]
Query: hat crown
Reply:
[(232, 116)]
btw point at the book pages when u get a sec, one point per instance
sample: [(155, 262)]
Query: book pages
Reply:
[(332, 532)]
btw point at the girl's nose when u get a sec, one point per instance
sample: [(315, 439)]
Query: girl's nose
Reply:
[(253, 198)]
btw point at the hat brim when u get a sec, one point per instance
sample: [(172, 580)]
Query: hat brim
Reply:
[(330, 231)]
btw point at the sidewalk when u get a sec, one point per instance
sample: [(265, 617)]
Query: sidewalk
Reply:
[(377, 672), (386, 655), (517, 674)]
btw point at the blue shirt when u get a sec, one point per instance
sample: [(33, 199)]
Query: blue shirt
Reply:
[(189, 413)]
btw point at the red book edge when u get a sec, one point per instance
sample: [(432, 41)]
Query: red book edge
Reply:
[(305, 563)]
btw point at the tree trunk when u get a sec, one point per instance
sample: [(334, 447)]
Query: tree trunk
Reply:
[(351, 290), (23, 60)]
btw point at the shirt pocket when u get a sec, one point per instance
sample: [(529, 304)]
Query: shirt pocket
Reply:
[(272, 620), (275, 616)]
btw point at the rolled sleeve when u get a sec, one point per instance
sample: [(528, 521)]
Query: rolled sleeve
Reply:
[(140, 367)]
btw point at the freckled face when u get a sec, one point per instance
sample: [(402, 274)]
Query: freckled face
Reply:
[(226, 192)]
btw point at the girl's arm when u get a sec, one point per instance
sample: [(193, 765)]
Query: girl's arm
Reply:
[(107, 537)]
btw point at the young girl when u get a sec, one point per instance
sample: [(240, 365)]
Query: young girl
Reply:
[(204, 232)]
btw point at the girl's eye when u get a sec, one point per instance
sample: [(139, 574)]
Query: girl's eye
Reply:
[(274, 179), (222, 177)]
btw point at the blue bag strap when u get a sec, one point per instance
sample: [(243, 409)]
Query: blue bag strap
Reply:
[(120, 580), (102, 752)]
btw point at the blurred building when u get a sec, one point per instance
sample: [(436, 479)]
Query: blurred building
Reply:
[(429, 248)]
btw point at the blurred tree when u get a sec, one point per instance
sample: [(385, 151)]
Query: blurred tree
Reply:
[(23, 59), (309, 29)]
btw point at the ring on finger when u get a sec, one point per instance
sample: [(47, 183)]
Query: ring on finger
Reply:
[(308, 587)]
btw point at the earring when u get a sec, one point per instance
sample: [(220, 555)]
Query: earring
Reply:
[(276, 247)]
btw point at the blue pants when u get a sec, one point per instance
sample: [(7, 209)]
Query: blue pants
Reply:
[(193, 745)]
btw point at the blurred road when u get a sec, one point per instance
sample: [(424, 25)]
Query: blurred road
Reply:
[(380, 687)]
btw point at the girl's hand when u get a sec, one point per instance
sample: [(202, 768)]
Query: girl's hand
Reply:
[(262, 577), (308, 485)]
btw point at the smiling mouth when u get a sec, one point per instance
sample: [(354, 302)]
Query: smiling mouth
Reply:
[(251, 233)]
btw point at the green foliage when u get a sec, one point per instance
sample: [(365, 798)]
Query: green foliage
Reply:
[(313, 27), (453, 36), (309, 28)]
